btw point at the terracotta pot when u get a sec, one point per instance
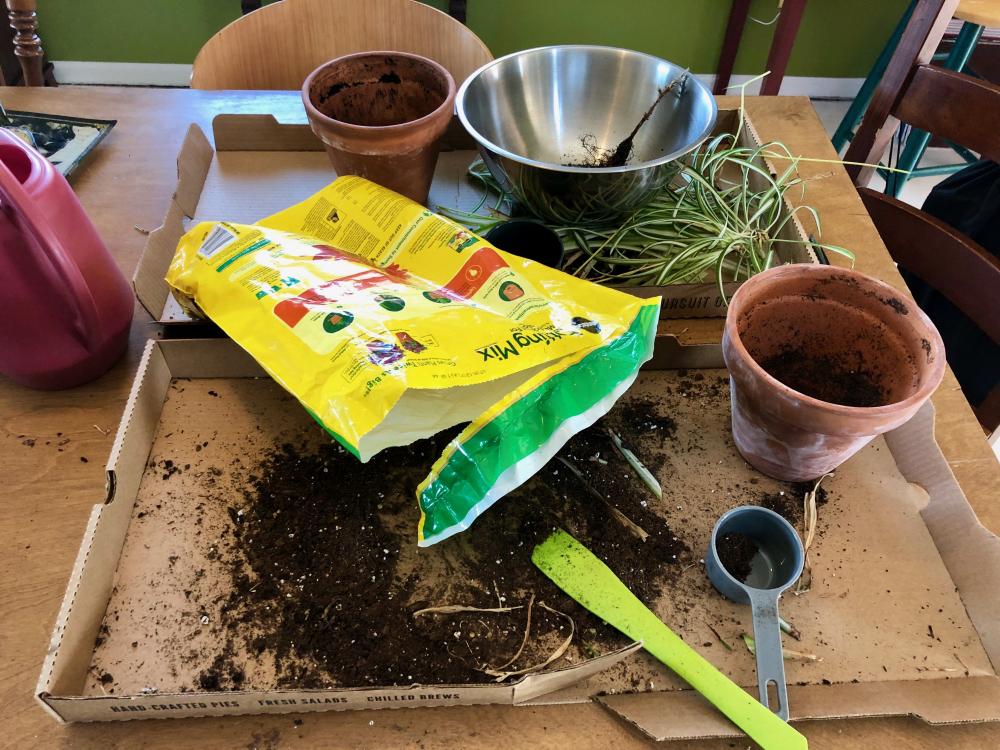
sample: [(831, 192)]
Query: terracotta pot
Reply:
[(822, 360), (380, 115)]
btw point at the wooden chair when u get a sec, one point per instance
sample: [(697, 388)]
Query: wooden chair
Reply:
[(277, 46), (958, 268), (964, 110), (456, 8), (972, 21), (27, 45)]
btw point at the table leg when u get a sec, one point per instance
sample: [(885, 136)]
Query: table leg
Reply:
[(738, 13), (781, 45)]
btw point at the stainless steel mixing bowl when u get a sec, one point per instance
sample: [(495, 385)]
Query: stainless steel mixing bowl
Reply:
[(537, 112)]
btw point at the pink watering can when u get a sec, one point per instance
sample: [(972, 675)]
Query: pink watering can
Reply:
[(65, 308)]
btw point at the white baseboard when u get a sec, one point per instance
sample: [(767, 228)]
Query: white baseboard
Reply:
[(169, 74), (811, 86), (122, 74)]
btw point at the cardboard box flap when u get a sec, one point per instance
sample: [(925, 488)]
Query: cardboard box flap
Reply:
[(61, 684), (138, 425), (208, 358), (191, 169), (58, 665), (193, 163), (670, 353), (93, 572), (691, 716), (969, 550), (267, 165), (542, 683), (197, 704), (241, 132), (262, 133)]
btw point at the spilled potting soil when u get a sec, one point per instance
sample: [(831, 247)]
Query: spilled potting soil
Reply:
[(262, 556), (326, 575)]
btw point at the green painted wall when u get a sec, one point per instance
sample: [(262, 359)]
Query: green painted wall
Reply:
[(838, 38)]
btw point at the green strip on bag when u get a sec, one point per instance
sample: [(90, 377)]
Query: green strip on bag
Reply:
[(348, 445), (490, 460)]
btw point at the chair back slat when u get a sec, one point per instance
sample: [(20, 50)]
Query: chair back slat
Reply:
[(923, 33), (963, 109), (947, 260)]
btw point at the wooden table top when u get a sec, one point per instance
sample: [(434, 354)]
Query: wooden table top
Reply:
[(47, 489)]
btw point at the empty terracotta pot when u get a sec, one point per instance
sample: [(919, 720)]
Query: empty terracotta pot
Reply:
[(821, 360), (380, 116)]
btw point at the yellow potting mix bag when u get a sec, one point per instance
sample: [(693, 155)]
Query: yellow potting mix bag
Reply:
[(390, 323)]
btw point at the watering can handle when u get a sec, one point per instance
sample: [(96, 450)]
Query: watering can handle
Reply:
[(22, 203)]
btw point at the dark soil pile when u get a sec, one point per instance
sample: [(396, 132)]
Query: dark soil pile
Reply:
[(736, 553), (825, 379), (697, 385), (786, 504), (789, 503), (321, 587)]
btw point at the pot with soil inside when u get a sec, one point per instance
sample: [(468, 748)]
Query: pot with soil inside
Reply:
[(822, 360), (381, 115)]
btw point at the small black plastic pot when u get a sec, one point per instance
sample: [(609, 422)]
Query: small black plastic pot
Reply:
[(528, 239)]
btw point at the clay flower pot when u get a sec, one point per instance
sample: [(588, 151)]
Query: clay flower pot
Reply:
[(380, 115), (822, 360)]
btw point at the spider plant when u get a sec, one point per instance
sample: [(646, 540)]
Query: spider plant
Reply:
[(723, 216)]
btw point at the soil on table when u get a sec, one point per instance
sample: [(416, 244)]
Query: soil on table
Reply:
[(788, 503), (736, 553), (825, 379), (321, 576)]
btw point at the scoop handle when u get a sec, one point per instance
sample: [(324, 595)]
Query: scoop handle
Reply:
[(578, 572), (767, 644)]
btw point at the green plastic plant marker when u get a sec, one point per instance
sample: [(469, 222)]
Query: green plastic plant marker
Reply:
[(578, 572)]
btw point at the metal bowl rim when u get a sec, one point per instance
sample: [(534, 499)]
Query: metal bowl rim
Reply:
[(486, 143)]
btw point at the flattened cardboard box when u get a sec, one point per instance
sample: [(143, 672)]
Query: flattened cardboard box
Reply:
[(891, 559), (101, 568), (260, 166)]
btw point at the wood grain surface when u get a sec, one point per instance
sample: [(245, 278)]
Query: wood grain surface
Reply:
[(277, 46), (983, 12), (53, 447)]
